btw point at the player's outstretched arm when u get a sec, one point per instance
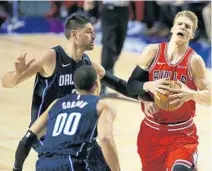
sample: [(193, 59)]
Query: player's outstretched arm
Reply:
[(112, 81), (34, 132), (107, 113), (26, 67), (116, 84), (99, 68), (138, 83)]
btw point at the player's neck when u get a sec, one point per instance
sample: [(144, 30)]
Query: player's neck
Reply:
[(83, 92), (74, 52), (176, 51)]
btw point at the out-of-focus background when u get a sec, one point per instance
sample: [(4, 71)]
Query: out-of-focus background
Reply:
[(149, 21), (35, 26)]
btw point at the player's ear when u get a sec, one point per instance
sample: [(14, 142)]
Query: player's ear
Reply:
[(171, 31), (192, 36), (74, 33)]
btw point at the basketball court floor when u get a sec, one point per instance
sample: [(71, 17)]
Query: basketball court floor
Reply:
[(15, 107)]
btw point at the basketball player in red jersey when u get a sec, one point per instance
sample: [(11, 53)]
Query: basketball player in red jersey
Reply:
[(167, 141)]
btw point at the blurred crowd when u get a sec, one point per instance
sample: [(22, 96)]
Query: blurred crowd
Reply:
[(159, 16), (154, 17)]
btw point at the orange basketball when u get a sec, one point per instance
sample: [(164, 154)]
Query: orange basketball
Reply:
[(163, 102)]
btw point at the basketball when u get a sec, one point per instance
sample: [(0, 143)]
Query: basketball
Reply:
[(163, 102)]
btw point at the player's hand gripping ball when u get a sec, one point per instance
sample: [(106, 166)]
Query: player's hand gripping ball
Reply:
[(163, 102)]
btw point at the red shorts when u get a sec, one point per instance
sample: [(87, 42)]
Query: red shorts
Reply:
[(161, 146)]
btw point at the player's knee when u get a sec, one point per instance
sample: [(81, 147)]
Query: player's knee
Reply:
[(179, 167)]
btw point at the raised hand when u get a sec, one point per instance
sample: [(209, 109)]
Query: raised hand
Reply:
[(21, 65)]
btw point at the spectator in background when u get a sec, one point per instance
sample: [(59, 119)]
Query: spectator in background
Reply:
[(65, 8), (167, 11), (90, 9), (62, 8), (114, 22), (206, 13), (197, 7), (5, 9), (9, 15), (151, 12)]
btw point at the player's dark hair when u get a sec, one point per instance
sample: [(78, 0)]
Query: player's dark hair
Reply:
[(85, 78), (74, 22)]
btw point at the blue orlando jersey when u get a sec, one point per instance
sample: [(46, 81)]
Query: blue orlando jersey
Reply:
[(58, 85), (71, 126)]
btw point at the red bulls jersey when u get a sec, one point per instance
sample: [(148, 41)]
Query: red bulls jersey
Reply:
[(163, 68)]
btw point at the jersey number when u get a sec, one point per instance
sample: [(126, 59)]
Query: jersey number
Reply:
[(66, 123)]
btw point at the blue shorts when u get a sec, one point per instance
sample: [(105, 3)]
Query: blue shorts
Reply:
[(38, 144), (94, 162), (96, 159), (62, 163)]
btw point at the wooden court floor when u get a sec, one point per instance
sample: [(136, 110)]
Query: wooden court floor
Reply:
[(15, 107)]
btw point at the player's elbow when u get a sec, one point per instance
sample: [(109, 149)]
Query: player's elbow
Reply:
[(129, 87), (105, 139), (101, 72), (5, 84), (9, 80)]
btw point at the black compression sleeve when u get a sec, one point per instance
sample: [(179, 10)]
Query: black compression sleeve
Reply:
[(136, 81), (23, 149), (146, 97), (116, 84)]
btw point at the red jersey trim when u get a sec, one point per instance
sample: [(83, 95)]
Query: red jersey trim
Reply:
[(189, 64), (155, 59)]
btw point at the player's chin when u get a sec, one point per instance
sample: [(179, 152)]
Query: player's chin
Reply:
[(181, 41), (91, 47)]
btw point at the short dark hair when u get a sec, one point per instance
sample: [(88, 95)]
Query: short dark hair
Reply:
[(75, 21), (85, 78)]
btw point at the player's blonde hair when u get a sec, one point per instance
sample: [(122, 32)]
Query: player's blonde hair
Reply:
[(190, 15)]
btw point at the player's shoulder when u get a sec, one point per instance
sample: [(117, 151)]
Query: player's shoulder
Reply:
[(196, 58), (153, 47), (196, 61), (48, 54), (104, 104), (57, 48), (195, 55), (148, 55)]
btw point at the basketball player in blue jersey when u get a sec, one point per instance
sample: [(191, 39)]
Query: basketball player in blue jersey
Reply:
[(72, 124), (54, 72)]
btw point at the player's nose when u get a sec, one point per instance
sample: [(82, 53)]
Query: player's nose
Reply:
[(182, 27)]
